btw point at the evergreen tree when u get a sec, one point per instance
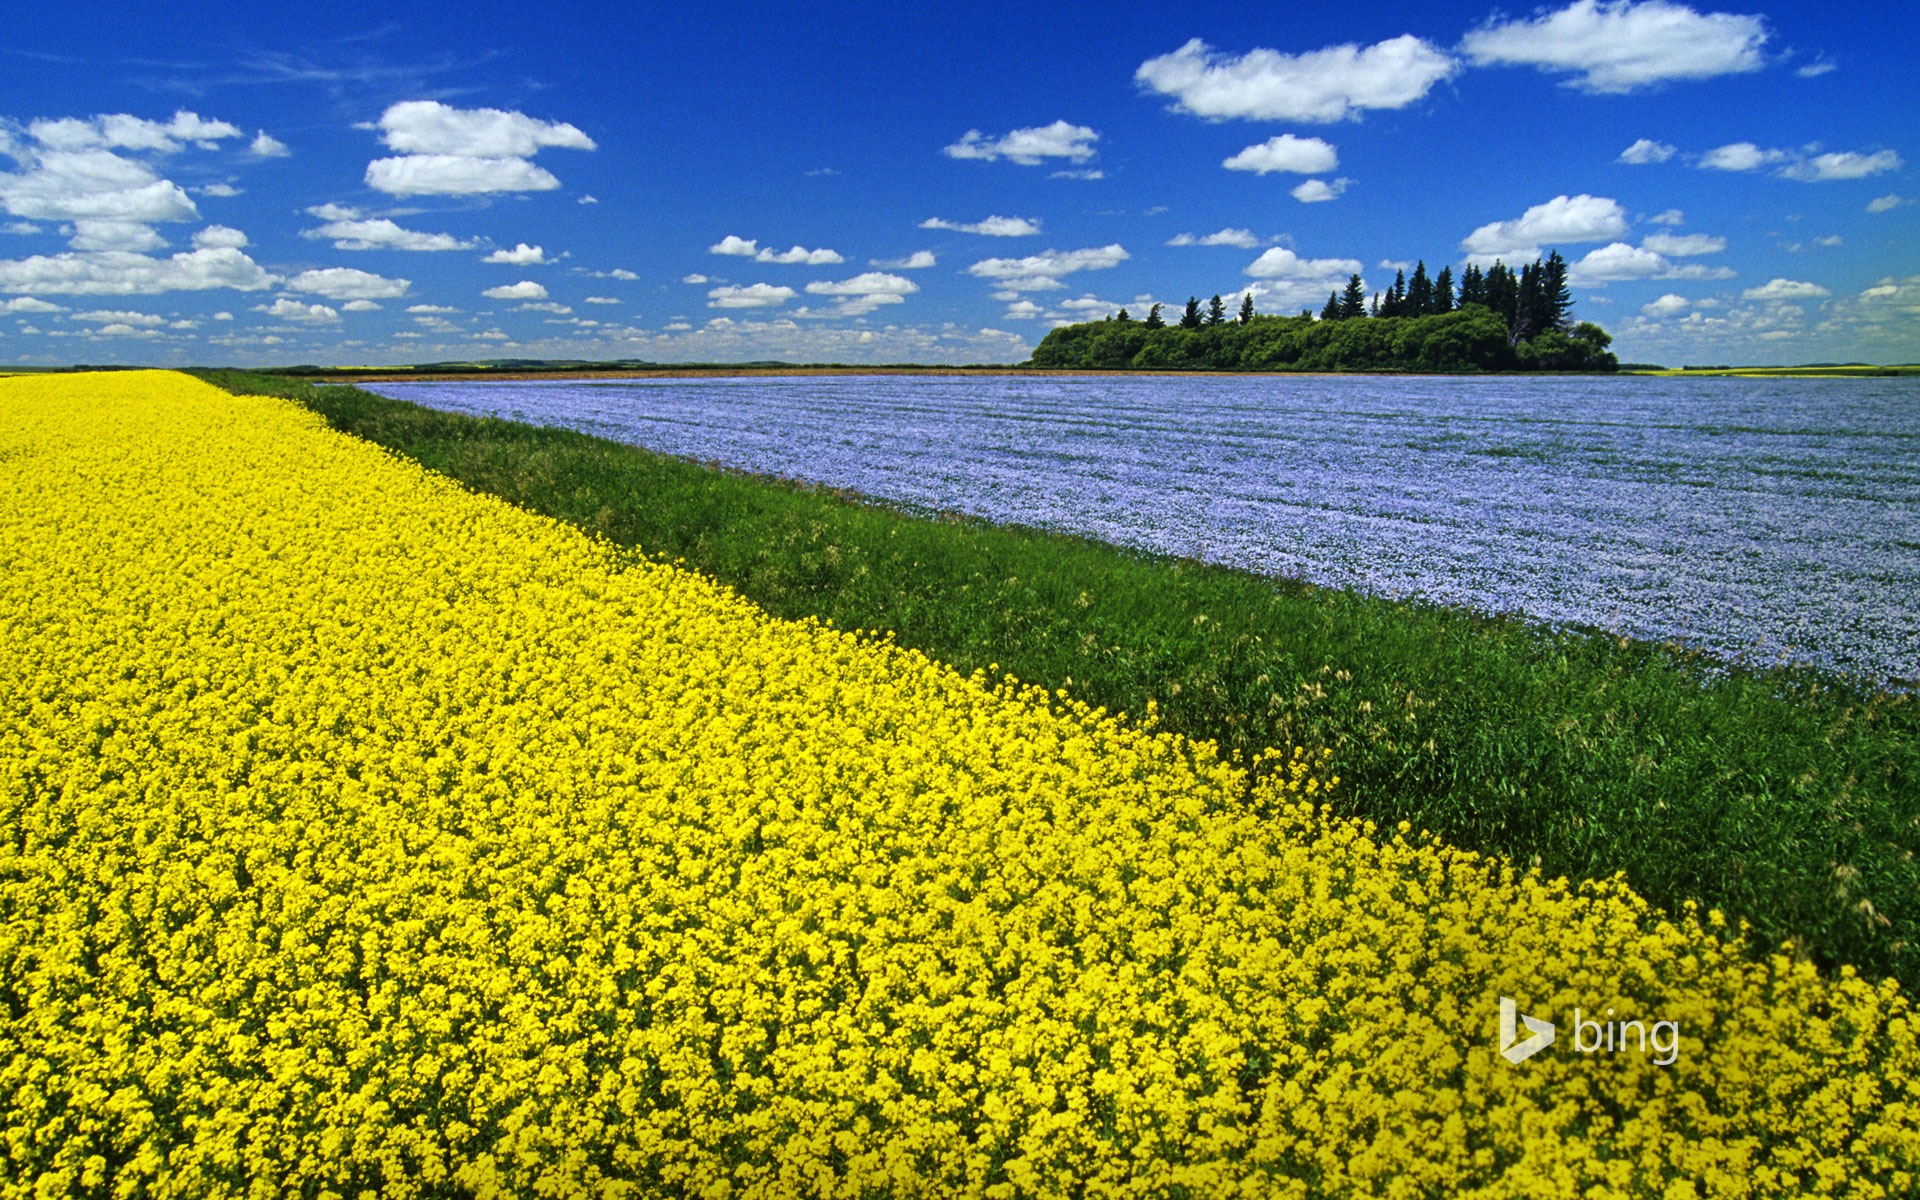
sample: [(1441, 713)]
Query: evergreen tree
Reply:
[(1123, 315), (1191, 318), (1394, 303), (1246, 309), (1419, 291), (1216, 311), (1353, 301), (1443, 291), (1332, 311), (1502, 290), (1556, 299), (1154, 319), (1473, 287)]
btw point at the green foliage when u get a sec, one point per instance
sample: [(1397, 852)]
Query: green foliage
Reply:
[(1790, 799), (1191, 319)]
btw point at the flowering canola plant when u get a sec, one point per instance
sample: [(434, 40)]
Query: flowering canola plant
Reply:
[(364, 836)]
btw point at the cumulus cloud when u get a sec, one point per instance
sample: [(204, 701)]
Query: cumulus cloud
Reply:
[(1741, 156), (1843, 165), (526, 289), (865, 292), (751, 248), (1785, 289), (521, 255), (121, 131), (1243, 238), (696, 277), (753, 295), (119, 316), (267, 146), (1028, 147), (346, 283), (995, 226), (1887, 203), (1618, 261), (117, 273), (1039, 272), (1646, 150), (1319, 191), (379, 233), (1328, 85), (27, 304), (287, 309), (918, 260), (1289, 280), (115, 235), (1620, 46), (1668, 305), (1299, 156), (1563, 219), (601, 300), (446, 151), (1684, 245), (218, 236), (1671, 216), (359, 306), (98, 185)]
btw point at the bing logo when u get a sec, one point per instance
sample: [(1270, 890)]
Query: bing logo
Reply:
[(1661, 1039)]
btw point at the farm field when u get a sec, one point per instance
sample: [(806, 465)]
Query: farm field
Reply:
[(368, 833), (1582, 752)]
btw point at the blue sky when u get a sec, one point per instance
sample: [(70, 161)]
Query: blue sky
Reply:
[(357, 183)]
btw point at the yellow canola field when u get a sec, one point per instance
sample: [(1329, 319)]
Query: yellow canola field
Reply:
[(364, 836)]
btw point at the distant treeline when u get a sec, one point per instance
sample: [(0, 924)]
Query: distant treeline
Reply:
[(1496, 320)]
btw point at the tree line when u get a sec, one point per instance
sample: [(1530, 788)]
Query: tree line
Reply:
[(1498, 319)]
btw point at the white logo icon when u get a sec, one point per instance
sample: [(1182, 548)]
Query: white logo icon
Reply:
[(1511, 1047)]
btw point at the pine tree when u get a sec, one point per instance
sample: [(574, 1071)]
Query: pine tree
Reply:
[(1332, 311), (1191, 318), (1216, 311), (1556, 299), (1443, 291), (1394, 303), (1154, 320), (1502, 291), (1473, 287), (1123, 315), (1353, 302), (1246, 309), (1419, 291)]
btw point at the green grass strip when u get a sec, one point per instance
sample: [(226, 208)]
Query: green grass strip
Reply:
[(1787, 798)]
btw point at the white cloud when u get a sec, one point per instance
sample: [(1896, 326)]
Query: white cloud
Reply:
[(1581, 218), (217, 236), (1299, 156), (754, 295), (27, 304), (334, 212), (521, 255), (115, 235), (456, 175), (621, 273), (1668, 305), (1077, 174), (1619, 46), (1029, 147), (548, 306), (119, 316), (588, 200), (1243, 238), (292, 310), (222, 190), (1646, 150), (1672, 216), (359, 306), (696, 277), (1684, 245), (1785, 289), (430, 127), (93, 185), (1319, 191), (1618, 261), (1328, 85), (19, 227), (123, 274), (601, 300), (526, 289), (381, 234), (918, 260), (865, 292), (267, 146), (1290, 280), (1039, 272), (121, 131), (1887, 203), (1023, 310), (751, 248), (994, 226), (430, 308), (1843, 165), (345, 283), (1740, 156)]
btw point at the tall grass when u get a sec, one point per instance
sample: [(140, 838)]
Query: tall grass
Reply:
[(1788, 798)]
